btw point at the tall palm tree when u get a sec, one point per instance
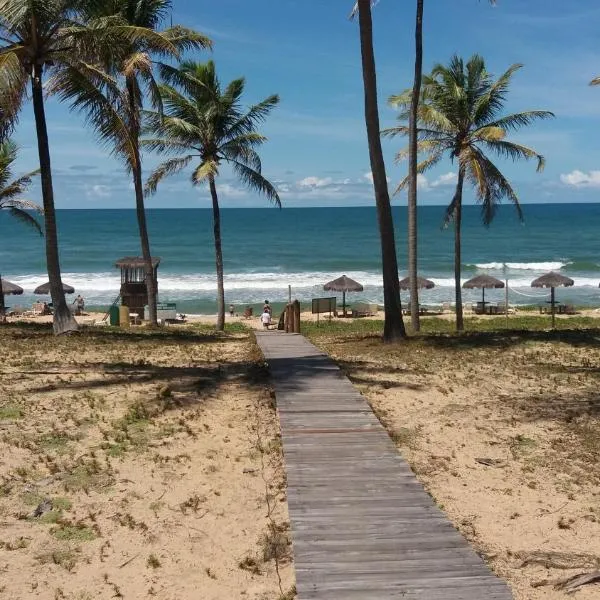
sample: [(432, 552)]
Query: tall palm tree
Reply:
[(11, 191), (129, 64), (412, 171), (460, 115), (393, 325), (40, 37), (205, 125)]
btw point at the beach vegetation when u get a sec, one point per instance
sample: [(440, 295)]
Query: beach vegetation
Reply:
[(205, 125), (460, 116), (42, 38), (112, 98), (393, 325)]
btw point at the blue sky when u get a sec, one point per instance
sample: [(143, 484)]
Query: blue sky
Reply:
[(307, 51)]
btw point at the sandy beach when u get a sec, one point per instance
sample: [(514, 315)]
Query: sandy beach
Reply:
[(502, 429), (137, 465)]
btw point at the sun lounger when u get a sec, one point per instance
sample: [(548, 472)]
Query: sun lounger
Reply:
[(362, 309)]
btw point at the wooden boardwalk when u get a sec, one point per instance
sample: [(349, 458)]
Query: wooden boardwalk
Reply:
[(363, 527)]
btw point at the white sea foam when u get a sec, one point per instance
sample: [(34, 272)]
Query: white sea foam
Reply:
[(528, 266)]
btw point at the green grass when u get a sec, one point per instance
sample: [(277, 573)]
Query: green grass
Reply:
[(68, 532), (10, 412), (436, 325)]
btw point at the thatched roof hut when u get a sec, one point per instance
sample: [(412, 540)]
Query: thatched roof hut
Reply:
[(11, 288), (422, 283), (44, 289)]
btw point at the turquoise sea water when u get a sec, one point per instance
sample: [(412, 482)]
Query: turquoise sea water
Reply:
[(265, 250)]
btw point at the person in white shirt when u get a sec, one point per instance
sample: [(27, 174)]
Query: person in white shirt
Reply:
[(266, 319)]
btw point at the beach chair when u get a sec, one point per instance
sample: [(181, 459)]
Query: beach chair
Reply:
[(248, 312), (469, 307)]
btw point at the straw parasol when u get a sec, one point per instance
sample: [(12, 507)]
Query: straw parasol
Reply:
[(44, 290), (484, 282), (552, 280), (11, 288), (343, 284), (422, 283)]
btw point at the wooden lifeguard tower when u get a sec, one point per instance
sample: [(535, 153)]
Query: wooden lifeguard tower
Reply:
[(134, 293)]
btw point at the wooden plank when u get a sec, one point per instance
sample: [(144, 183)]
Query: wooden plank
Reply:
[(363, 527)]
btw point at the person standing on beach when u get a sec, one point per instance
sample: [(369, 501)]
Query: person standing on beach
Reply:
[(266, 319), (267, 307), (231, 310)]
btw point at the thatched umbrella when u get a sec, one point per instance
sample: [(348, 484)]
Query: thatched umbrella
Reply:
[(6, 288), (422, 283), (483, 282), (10, 288), (552, 280), (44, 289), (343, 284)]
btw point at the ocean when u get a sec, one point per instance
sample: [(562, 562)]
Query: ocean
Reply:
[(265, 250)]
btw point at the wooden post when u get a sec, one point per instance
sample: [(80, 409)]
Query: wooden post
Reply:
[(296, 311), (506, 300), (288, 319), (552, 305)]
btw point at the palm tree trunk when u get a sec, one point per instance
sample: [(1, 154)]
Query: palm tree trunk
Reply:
[(63, 322), (140, 207), (218, 255), (393, 326), (457, 250), (412, 172), (2, 304)]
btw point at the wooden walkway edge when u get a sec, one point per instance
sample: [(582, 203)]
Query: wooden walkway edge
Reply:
[(363, 527)]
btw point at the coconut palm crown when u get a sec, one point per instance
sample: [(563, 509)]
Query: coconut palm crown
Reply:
[(205, 125), (460, 116), (113, 97)]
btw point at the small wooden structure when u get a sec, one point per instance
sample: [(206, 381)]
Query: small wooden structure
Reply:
[(134, 293)]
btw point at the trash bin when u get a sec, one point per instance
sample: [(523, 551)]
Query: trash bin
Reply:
[(113, 314), (124, 317)]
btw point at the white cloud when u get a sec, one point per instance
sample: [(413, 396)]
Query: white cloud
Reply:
[(446, 179), (422, 183), (230, 191), (313, 182), (97, 191), (578, 178), (369, 177)]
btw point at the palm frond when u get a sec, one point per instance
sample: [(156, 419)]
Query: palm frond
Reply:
[(256, 182), (167, 168), (515, 151), (515, 121), (422, 166), (205, 170), (24, 217)]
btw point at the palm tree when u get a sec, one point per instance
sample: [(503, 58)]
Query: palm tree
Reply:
[(206, 125), (393, 326), (41, 36), (460, 115), (10, 195), (129, 64), (412, 171)]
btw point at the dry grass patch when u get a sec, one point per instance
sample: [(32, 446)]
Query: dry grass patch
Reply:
[(133, 465), (503, 429)]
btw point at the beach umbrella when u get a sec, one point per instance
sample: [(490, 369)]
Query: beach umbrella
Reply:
[(44, 290), (422, 283), (552, 280), (484, 282), (343, 284), (10, 288)]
